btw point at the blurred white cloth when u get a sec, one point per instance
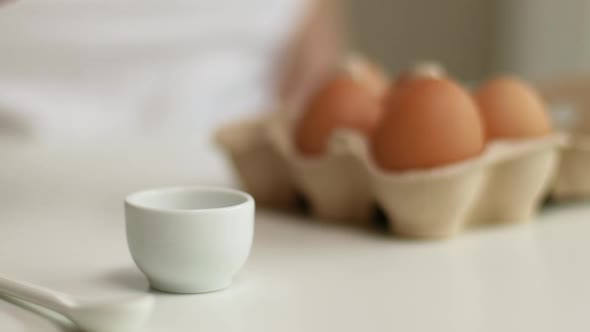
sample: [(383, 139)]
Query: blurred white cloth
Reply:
[(87, 70)]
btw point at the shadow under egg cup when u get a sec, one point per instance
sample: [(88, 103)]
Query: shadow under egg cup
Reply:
[(189, 239)]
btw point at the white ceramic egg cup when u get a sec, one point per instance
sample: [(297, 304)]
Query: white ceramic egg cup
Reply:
[(190, 239)]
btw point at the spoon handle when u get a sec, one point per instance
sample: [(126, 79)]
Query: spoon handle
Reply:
[(35, 294)]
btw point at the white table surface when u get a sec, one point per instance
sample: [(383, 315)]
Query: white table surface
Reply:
[(61, 226)]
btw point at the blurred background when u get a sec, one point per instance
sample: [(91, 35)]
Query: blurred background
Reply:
[(95, 69), (475, 38)]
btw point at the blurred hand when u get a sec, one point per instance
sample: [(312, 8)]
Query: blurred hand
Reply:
[(312, 55)]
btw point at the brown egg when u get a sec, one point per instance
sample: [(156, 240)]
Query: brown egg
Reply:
[(428, 122), (510, 108), (343, 102), (418, 70)]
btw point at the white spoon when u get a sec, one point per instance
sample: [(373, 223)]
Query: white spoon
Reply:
[(122, 315)]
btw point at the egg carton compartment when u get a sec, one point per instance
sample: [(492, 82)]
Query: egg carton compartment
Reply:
[(505, 184), (336, 185), (573, 176), (260, 168)]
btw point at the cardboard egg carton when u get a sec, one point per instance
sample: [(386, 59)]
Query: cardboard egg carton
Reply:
[(573, 177), (262, 171), (505, 184), (570, 110)]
